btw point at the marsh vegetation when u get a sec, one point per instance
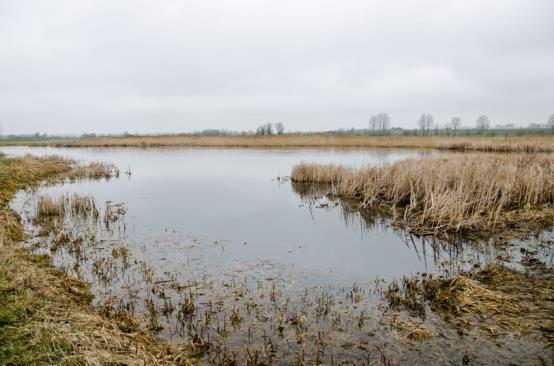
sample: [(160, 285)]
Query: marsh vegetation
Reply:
[(524, 143), (477, 194)]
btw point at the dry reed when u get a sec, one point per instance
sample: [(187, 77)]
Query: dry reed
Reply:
[(45, 315), (478, 193), (526, 143), (51, 207), (410, 330), (463, 295)]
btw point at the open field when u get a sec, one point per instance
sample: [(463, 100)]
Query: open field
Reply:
[(526, 143), (479, 193), (45, 315)]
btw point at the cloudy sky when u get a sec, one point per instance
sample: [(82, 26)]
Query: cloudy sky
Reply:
[(167, 66)]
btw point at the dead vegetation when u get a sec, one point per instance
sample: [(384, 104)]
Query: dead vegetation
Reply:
[(51, 207), (410, 330), (476, 194), (526, 143), (495, 299), (45, 314)]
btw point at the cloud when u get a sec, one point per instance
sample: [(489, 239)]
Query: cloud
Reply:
[(107, 66)]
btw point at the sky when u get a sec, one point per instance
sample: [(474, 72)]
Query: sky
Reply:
[(108, 66)]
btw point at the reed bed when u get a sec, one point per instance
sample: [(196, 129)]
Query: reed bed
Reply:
[(526, 143), (477, 193)]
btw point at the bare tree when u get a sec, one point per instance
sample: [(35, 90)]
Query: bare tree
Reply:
[(425, 122), (280, 128), (373, 123), (455, 123), (550, 122), (265, 129), (269, 128), (384, 122), (379, 122), (482, 123)]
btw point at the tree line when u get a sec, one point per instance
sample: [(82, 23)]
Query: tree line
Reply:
[(381, 123)]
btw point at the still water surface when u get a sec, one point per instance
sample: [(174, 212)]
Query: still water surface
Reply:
[(232, 198)]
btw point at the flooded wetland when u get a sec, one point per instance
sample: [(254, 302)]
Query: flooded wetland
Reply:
[(219, 251)]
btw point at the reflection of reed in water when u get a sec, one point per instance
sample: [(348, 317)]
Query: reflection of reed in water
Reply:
[(445, 256), (322, 195)]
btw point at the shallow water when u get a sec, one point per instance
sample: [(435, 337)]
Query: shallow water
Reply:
[(231, 196), (223, 227)]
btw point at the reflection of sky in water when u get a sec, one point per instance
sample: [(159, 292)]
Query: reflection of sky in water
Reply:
[(230, 196)]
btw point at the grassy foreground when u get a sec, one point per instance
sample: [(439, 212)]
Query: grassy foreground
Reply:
[(45, 315), (476, 194), (526, 143)]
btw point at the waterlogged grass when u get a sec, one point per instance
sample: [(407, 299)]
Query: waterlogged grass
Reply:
[(525, 143), (45, 315), (478, 194)]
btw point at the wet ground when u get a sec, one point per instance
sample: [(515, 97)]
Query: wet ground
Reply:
[(218, 250)]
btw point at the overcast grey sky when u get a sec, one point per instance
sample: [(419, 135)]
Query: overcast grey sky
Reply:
[(153, 66)]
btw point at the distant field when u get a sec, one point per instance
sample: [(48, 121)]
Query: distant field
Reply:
[(19, 142), (525, 143)]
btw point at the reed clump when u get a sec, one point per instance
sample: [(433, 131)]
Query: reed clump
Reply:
[(49, 207), (477, 194), (463, 295), (525, 143), (83, 206), (410, 330)]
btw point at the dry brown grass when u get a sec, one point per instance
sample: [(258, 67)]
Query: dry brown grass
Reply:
[(463, 295), (45, 315), (49, 321), (526, 143), (51, 207), (83, 205), (410, 330), (477, 193)]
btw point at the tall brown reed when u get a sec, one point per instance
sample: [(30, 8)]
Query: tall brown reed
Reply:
[(51, 207), (455, 193)]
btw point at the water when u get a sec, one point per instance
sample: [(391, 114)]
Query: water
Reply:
[(221, 229), (232, 197)]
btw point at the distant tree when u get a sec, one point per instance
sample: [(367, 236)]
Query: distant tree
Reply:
[(280, 128), (265, 129), (455, 123), (379, 122), (269, 128), (373, 124), (549, 123), (482, 123), (425, 122)]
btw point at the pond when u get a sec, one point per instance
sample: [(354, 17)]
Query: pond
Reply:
[(212, 239)]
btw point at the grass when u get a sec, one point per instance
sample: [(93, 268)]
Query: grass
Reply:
[(525, 143), (45, 315), (478, 194)]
